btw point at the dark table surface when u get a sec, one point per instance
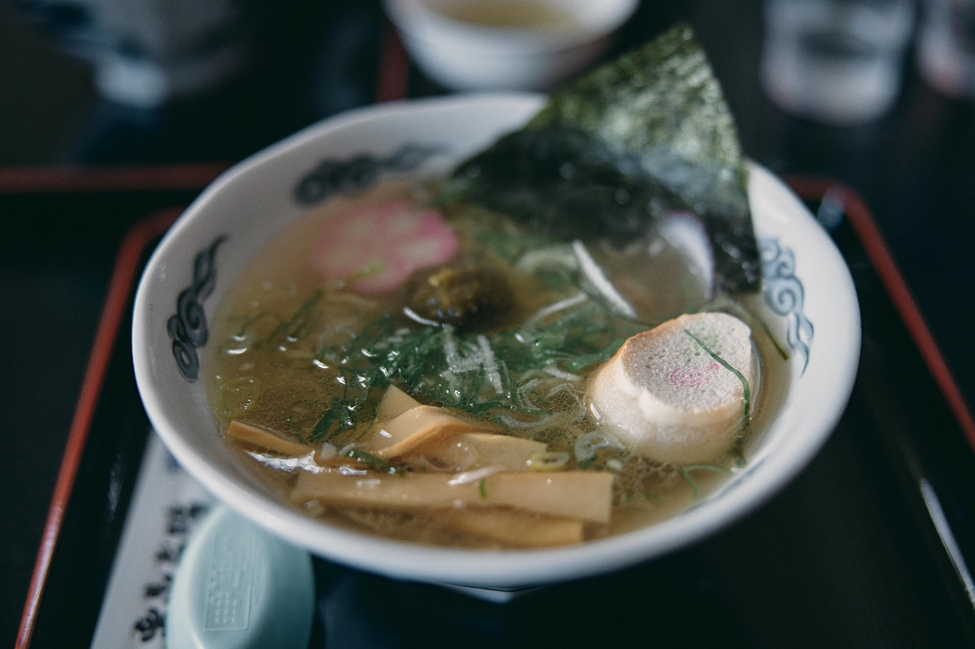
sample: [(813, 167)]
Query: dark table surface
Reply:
[(914, 169)]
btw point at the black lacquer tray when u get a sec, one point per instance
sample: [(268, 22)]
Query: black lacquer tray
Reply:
[(867, 547)]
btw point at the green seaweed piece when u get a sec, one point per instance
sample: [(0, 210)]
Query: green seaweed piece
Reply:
[(645, 135), (663, 105)]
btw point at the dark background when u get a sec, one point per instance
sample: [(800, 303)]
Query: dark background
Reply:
[(915, 168)]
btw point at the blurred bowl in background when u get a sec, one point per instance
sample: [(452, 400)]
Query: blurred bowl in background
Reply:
[(506, 44)]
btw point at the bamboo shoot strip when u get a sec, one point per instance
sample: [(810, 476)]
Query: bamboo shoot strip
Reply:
[(515, 528), (394, 403), (470, 450), (266, 439), (585, 495), (441, 448), (405, 432)]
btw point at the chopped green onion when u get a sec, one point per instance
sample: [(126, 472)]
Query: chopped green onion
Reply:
[(548, 461)]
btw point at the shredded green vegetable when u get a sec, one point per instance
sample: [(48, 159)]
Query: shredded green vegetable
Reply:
[(746, 391), (370, 460), (686, 473), (385, 352), (511, 245)]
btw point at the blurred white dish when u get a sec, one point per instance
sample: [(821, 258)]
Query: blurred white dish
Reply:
[(506, 44), (808, 302)]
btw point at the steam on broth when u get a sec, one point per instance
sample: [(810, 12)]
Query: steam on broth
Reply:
[(434, 385)]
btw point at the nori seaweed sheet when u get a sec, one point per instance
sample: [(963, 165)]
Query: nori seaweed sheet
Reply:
[(645, 135)]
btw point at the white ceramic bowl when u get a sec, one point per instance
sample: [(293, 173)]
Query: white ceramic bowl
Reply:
[(808, 300), (463, 55)]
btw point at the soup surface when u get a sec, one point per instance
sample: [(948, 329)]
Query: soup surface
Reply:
[(420, 371), (509, 13)]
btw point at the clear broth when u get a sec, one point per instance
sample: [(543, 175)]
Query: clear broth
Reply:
[(281, 382)]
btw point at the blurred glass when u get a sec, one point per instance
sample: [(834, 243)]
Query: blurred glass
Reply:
[(835, 61), (946, 46)]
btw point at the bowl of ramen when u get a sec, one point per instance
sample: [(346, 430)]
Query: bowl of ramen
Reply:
[(456, 341), (506, 44)]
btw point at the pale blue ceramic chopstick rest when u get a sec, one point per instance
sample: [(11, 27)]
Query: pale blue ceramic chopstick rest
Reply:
[(237, 587)]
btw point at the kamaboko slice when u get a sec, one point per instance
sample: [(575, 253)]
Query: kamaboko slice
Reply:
[(680, 392)]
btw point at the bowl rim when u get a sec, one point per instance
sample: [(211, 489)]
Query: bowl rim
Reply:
[(508, 569)]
